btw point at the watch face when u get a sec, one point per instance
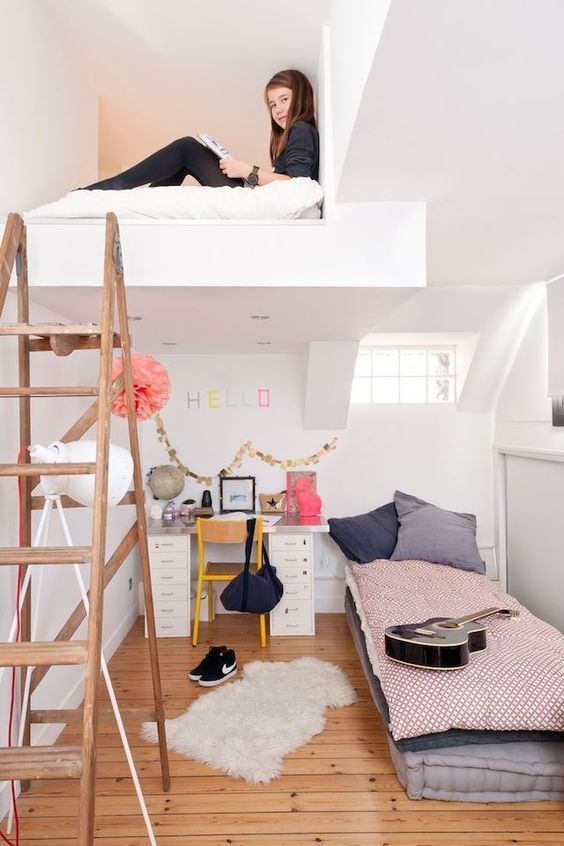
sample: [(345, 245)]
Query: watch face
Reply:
[(252, 179)]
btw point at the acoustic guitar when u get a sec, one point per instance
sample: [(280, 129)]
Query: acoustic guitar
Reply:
[(440, 643)]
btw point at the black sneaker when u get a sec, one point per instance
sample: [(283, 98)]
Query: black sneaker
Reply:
[(196, 673), (222, 666)]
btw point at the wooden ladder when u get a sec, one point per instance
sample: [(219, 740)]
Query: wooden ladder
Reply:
[(39, 762)]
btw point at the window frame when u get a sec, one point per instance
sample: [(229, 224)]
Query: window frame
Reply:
[(427, 348)]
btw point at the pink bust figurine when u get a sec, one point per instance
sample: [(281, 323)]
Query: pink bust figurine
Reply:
[(309, 502)]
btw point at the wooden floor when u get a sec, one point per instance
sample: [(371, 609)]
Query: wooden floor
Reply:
[(339, 790)]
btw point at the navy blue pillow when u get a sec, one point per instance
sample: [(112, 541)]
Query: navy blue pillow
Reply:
[(367, 536)]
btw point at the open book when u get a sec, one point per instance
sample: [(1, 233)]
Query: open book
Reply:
[(214, 146)]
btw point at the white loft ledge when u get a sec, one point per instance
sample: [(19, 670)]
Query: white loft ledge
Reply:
[(361, 245)]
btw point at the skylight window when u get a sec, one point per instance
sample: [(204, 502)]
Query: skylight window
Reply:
[(404, 375)]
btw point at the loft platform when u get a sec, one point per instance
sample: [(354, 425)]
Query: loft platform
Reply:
[(357, 245)]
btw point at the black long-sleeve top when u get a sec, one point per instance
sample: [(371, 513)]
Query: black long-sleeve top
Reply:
[(300, 157)]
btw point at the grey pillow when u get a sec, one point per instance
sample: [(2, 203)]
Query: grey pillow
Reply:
[(367, 536), (429, 533)]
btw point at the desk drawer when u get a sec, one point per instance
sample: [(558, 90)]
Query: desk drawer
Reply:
[(165, 608), (168, 543), (296, 591), (168, 560), (168, 593), (291, 626), (292, 608), (294, 575), (294, 558), (290, 542), (169, 576), (175, 627)]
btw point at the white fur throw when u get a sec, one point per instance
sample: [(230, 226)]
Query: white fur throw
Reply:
[(291, 198), (246, 727)]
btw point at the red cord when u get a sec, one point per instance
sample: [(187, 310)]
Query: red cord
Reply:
[(17, 637)]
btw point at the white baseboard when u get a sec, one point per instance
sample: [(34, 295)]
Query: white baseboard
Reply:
[(46, 735)]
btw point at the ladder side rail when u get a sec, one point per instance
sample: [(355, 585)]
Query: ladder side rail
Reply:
[(142, 525), (92, 681), (25, 441), (8, 252)]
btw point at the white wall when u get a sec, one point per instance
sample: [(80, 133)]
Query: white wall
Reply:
[(354, 33), (431, 451), (49, 138), (50, 419), (524, 410)]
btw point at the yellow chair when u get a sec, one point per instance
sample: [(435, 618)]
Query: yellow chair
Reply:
[(222, 531)]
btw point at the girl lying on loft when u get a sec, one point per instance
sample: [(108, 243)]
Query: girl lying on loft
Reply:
[(294, 148)]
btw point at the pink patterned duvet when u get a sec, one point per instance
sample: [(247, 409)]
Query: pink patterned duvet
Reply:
[(517, 683)]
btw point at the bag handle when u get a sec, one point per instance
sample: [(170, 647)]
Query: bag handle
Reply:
[(251, 524)]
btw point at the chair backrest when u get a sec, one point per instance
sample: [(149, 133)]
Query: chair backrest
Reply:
[(222, 531), (227, 531)]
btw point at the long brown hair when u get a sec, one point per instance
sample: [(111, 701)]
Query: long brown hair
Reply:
[(301, 107)]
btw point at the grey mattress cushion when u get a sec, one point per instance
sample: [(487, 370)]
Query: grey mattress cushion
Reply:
[(508, 772), (438, 740), (429, 533)]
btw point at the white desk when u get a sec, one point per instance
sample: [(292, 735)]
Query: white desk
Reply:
[(291, 546)]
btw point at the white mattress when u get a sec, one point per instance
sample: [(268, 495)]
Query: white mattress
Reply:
[(280, 200)]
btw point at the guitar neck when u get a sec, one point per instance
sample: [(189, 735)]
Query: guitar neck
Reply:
[(459, 621)]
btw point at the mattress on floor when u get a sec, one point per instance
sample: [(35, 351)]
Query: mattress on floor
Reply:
[(470, 766)]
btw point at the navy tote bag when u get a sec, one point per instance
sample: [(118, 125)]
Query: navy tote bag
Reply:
[(256, 593)]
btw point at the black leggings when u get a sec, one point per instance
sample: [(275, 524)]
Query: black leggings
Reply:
[(170, 166)]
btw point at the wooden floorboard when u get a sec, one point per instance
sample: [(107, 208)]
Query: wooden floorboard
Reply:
[(338, 790)]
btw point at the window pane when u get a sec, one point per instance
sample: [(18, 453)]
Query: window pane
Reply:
[(413, 363), (441, 390), (441, 362), (360, 390), (363, 363), (385, 362), (385, 389), (413, 389)]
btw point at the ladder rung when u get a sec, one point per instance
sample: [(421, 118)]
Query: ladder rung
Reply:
[(82, 343), (46, 555), (31, 762), (75, 469), (55, 716), (62, 391), (37, 502), (46, 329), (45, 654)]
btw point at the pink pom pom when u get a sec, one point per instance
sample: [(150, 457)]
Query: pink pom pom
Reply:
[(151, 386)]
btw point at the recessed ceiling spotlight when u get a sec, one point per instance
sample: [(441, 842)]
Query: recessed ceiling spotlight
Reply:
[(134, 317), (260, 317), (264, 343), (169, 343)]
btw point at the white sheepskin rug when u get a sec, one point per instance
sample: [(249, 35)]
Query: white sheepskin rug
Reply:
[(246, 727)]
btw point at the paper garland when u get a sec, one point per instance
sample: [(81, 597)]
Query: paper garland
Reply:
[(245, 449)]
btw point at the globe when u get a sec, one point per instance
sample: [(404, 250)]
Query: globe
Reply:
[(166, 481)]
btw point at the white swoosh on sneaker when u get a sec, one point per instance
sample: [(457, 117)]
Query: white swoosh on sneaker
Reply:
[(225, 669)]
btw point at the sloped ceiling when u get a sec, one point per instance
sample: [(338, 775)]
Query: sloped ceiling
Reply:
[(464, 108)]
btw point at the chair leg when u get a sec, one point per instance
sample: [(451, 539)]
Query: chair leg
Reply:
[(211, 602), (262, 624), (196, 625)]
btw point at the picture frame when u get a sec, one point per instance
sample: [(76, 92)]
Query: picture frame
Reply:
[(273, 503), (237, 493)]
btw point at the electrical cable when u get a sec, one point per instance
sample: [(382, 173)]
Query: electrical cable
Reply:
[(16, 639)]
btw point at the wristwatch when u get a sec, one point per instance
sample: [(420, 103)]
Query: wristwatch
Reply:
[(252, 178)]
